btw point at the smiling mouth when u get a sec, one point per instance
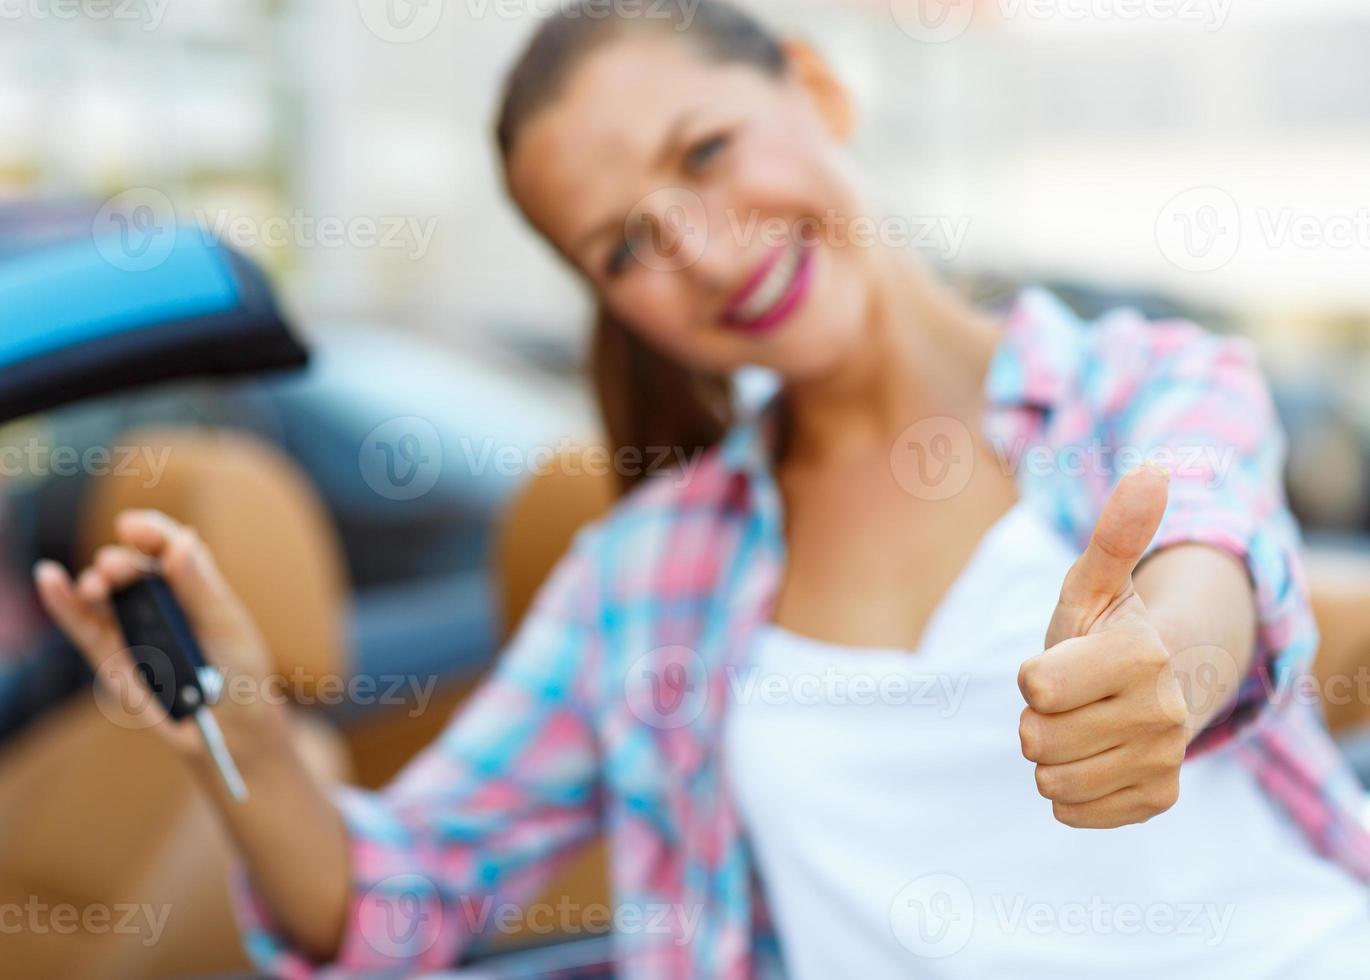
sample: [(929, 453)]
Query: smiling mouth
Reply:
[(773, 291)]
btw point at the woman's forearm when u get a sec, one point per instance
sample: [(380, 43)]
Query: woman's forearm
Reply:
[(1201, 600), (289, 832)]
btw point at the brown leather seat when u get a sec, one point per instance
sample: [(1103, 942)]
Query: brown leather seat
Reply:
[(94, 816), (1339, 585), (535, 531)]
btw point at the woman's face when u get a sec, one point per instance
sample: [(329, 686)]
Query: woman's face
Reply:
[(708, 204)]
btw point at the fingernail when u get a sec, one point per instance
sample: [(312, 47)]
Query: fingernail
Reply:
[(1159, 468)]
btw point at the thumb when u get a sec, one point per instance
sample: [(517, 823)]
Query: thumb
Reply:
[(1126, 526)]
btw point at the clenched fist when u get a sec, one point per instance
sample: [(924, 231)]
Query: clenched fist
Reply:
[(1105, 720)]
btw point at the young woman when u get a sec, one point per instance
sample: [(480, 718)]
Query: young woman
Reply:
[(893, 680)]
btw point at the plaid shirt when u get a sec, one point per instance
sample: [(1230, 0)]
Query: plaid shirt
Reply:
[(605, 713)]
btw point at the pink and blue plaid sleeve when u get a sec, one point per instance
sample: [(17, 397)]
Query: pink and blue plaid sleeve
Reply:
[(479, 820), (1198, 402)]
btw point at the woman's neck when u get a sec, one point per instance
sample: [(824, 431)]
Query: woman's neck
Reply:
[(925, 353)]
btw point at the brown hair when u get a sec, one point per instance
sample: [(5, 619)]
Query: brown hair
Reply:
[(648, 402)]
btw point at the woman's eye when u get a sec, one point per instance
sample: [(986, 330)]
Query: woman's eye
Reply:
[(705, 150)]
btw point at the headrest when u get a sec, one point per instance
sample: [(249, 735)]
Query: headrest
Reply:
[(87, 314)]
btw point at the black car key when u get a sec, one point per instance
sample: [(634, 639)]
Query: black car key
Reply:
[(170, 663)]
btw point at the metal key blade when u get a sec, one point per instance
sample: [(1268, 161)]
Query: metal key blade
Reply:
[(218, 752)]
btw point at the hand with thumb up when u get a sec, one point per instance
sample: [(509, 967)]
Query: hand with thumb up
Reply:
[(1105, 720)]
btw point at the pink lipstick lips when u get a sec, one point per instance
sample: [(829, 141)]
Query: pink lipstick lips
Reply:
[(773, 291)]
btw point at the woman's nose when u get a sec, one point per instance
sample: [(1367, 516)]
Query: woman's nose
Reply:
[(675, 230), (721, 252), (668, 230)]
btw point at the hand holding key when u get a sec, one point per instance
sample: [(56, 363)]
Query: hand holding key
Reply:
[(149, 542), (288, 830)]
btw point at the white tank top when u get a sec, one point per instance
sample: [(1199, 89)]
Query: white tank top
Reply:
[(899, 833)]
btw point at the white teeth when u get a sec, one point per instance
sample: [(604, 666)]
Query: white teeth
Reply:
[(773, 287)]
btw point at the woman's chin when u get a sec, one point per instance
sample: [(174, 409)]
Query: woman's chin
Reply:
[(817, 350)]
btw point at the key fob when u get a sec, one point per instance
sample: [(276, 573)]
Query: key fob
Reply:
[(164, 649)]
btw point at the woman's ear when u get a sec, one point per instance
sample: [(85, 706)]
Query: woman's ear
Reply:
[(832, 99)]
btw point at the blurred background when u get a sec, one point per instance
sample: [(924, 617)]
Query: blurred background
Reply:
[(1199, 157)]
